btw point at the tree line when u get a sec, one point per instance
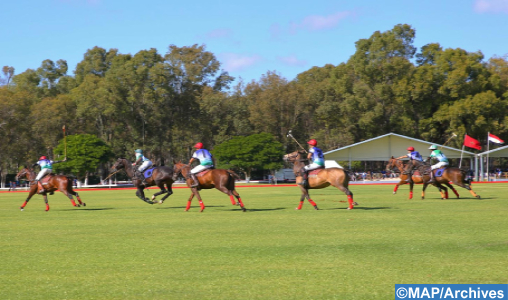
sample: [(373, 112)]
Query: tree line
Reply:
[(165, 103)]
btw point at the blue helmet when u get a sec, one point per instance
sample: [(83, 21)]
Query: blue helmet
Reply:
[(139, 151)]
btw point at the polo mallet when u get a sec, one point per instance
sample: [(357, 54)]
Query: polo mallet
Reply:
[(111, 175), (453, 135), (65, 142), (290, 135)]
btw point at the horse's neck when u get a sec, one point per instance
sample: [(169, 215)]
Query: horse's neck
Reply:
[(298, 165), (185, 171), (30, 175), (129, 169)]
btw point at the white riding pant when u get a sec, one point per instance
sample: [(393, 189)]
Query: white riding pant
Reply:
[(312, 166), (145, 165), (200, 168), (439, 165), (42, 173)]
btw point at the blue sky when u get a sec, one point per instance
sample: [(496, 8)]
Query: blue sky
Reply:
[(249, 38)]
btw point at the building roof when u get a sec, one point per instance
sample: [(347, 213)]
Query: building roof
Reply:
[(383, 147)]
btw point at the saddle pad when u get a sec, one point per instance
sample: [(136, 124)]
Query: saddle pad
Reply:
[(148, 172), (203, 172), (46, 178), (439, 172), (315, 172)]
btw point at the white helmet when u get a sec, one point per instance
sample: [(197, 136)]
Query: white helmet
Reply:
[(433, 147)]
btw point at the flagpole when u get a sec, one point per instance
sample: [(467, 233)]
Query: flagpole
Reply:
[(460, 162), (488, 147)]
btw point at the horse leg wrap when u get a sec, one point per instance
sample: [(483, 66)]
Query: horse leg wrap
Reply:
[(202, 205), (188, 206), (350, 200), (24, 204), (232, 199), (240, 201), (300, 205), (395, 189), (312, 202), (411, 195), (455, 192), (47, 207)]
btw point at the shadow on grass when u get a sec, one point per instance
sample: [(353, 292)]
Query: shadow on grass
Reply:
[(87, 209), (184, 207), (359, 208), (257, 209)]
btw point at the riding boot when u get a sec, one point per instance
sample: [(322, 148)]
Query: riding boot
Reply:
[(432, 178), (195, 181), (41, 190), (408, 179), (305, 176)]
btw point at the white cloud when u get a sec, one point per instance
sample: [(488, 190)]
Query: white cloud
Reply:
[(491, 6), (219, 33), (311, 23), (233, 62), (292, 60)]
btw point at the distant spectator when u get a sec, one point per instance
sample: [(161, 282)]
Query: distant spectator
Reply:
[(12, 186)]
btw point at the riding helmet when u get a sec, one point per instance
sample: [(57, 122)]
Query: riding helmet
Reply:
[(410, 149), (43, 157), (433, 147), (139, 151), (198, 145), (312, 142)]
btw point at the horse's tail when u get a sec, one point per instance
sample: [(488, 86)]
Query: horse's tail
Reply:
[(233, 175), (467, 176)]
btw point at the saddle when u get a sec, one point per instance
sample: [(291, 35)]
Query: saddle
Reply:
[(45, 179)]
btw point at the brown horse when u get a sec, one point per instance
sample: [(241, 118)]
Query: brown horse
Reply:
[(161, 176), (417, 178), (223, 180), (329, 176), (456, 176), (55, 182)]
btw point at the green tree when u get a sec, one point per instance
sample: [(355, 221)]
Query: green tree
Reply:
[(85, 152), (258, 151)]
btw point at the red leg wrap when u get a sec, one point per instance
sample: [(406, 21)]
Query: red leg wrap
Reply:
[(24, 204), (350, 200), (232, 199), (411, 195), (312, 202), (300, 205), (188, 206), (240, 201)]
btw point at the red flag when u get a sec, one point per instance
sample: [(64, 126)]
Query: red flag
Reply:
[(472, 143), (495, 139)]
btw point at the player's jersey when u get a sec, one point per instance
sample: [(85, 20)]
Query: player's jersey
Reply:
[(437, 154), (317, 156), (204, 157), (45, 164), (415, 155)]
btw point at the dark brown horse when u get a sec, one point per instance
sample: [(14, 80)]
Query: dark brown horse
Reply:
[(223, 180), (161, 176), (330, 176), (55, 182)]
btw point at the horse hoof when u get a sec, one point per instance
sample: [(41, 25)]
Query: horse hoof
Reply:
[(153, 198), (349, 208), (22, 209), (297, 208), (243, 209), (84, 204), (316, 208), (478, 197)]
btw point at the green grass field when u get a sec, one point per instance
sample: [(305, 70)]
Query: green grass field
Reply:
[(118, 247)]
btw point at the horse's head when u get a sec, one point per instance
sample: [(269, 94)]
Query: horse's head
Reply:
[(119, 164), (179, 168), (23, 173), (391, 164), (294, 156)]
